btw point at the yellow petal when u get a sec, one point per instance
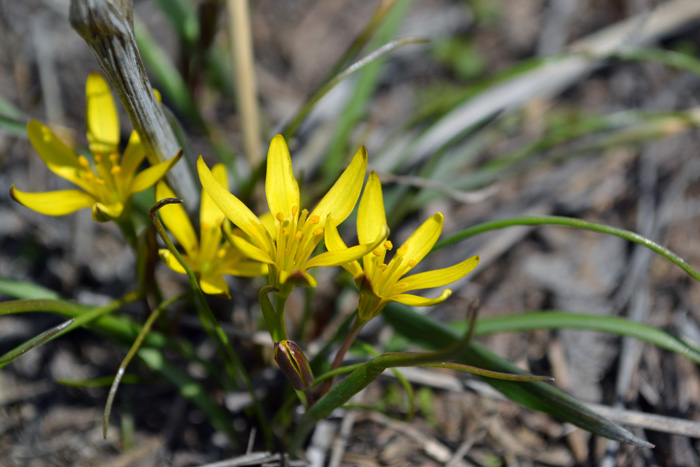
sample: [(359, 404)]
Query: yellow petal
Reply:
[(371, 217), (102, 120), (210, 216), (347, 255), (281, 188), (176, 220), (53, 203), (420, 242), (438, 277), (147, 178), (335, 243), (249, 250), (233, 208), (170, 261), (214, 285), (415, 300), (58, 157), (106, 212), (245, 269), (269, 222), (341, 198), (133, 155)]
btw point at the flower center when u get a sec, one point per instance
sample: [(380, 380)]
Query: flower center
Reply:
[(296, 238), (103, 181), (384, 276)]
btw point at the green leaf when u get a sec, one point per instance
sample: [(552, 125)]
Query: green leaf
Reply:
[(423, 330)]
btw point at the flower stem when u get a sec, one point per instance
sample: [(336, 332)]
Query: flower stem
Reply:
[(280, 303), (349, 339)]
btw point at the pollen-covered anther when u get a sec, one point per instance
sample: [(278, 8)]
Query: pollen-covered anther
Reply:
[(115, 170), (280, 217), (318, 232), (89, 176), (411, 263), (285, 231), (221, 253), (114, 157), (298, 235), (295, 210), (383, 266), (314, 219), (82, 160), (376, 252), (401, 252), (388, 245), (99, 181), (98, 158)]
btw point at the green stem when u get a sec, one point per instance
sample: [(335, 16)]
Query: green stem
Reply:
[(280, 303), (571, 222)]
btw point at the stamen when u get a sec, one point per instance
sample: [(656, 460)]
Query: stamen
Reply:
[(115, 170), (99, 181), (318, 232), (402, 251), (388, 245), (314, 219), (280, 217), (298, 235), (221, 253), (295, 210), (98, 158), (82, 160), (114, 157), (383, 266), (89, 176), (411, 263), (376, 252)]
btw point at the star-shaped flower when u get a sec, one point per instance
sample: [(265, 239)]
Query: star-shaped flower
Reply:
[(381, 283), (207, 256), (108, 183), (287, 250)]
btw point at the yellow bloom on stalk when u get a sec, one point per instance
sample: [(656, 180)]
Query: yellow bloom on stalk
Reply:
[(288, 247), (106, 186), (208, 257), (381, 283)]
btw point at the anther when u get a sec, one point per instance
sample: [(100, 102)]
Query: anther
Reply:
[(221, 253), (402, 251), (89, 176), (298, 235), (383, 267), (318, 232), (82, 160), (411, 263), (115, 170), (99, 181), (314, 219), (98, 158), (376, 252), (114, 157), (280, 216), (388, 245), (295, 210)]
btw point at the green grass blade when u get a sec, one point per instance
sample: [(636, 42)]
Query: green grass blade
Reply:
[(565, 320), (425, 331), (25, 290), (183, 16), (83, 319), (576, 223)]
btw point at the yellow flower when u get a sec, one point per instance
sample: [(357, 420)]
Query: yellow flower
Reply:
[(107, 185), (208, 257), (287, 249), (381, 283)]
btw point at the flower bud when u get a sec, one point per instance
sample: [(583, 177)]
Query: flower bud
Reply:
[(294, 364)]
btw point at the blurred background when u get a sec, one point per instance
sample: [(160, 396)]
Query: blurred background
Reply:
[(582, 108)]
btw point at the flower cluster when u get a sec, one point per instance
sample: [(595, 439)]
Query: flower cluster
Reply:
[(280, 243), (108, 181)]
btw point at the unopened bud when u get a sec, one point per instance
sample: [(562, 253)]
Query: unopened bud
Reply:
[(294, 364)]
